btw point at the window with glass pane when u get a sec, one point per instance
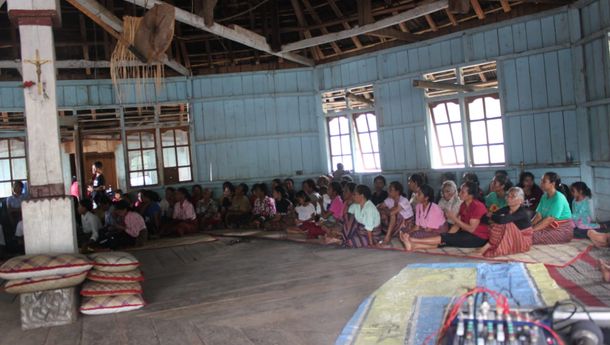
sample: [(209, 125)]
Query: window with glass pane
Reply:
[(368, 144), (339, 142), (177, 152), (142, 158), (13, 166), (486, 133), (447, 131)]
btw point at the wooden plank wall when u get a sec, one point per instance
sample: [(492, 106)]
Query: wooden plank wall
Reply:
[(258, 125), (595, 27)]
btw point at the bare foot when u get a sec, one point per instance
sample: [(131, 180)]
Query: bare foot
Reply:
[(604, 266), (404, 238), (598, 239)]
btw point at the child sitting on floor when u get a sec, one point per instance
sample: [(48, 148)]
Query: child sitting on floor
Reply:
[(582, 210), (306, 214), (91, 224)]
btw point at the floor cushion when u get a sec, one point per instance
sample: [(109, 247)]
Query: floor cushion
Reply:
[(44, 265), (91, 288), (111, 304), (26, 285), (116, 277), (114, 261)]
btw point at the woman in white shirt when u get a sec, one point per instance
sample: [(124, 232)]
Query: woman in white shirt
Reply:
[(362, 222), (396, 212)]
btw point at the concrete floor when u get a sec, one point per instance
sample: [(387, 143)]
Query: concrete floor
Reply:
[(258, 292)]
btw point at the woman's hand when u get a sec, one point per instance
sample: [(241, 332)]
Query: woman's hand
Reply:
[(451, 216)]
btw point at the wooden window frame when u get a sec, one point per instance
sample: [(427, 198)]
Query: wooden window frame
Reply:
[(485, 120), (340, 135), (175, 149), (440, 147), (11, 158), (368, 132), (141, 150)]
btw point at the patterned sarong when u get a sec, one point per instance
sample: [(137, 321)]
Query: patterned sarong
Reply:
[(507, 239), (563, 232)]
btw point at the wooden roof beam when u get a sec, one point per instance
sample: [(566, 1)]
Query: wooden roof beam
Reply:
[(439, 85), (316, 52), (339, 14), (393, 33), (477, 9), (113, 25), (317, 19), (381, 24), (431, 22), (451, 17), (235, 33), (505, 5)]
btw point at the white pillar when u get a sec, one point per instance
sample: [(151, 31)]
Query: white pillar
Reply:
[(48, 215)]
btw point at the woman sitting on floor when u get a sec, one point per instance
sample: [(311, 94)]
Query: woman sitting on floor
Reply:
[(415, 182), (334, 232), (468, 231), (532, 192), (379, 194), (429, 217), (511, 228), (310, 188), (264, 206), (362, 222), (450, 199), (553, 221), (496, 199), (125, 233), (184, 219), (239, 211), (306, 218), (207, 210), (396, 213), (335, 208), (151, 211), (284, 210)]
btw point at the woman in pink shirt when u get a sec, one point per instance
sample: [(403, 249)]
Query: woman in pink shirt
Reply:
[(429, 217), (184, 219), (335, 209)]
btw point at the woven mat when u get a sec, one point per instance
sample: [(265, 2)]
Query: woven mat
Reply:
[(559, 255), (583, 279), (410, 306), (556, 255), (175, 242)]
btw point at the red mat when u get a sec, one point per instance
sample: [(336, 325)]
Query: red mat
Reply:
[(583, 280)]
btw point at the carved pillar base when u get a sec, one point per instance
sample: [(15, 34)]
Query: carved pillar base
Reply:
[(48, 308)]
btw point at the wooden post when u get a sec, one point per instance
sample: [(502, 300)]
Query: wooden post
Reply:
[(48, 214)]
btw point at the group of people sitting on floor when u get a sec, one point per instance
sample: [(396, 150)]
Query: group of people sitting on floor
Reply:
[(506, 220)]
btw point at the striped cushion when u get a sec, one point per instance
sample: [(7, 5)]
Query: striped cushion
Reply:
[(507, 239), (114, 261), (18, 286), (44, 265), (116, 277), (111, 304), (91, 288)]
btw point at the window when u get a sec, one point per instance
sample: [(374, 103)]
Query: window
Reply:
[(352, 128), (177, 153), (142, 158), (466, 117), (13, 166)]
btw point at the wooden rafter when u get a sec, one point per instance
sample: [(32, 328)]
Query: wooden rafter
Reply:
[(381, 24), (316, 52), (477, 9), (505, 5), (440, 85), (431, 22), (317, 19), (83, 36), (234, 33), (392, 33), (339, 14), (451, 17)]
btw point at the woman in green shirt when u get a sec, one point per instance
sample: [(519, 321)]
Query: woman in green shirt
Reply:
[(496, 199), (553, 221), (361, 227)]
